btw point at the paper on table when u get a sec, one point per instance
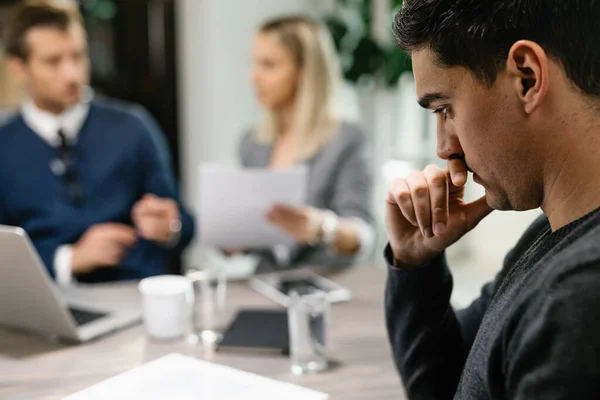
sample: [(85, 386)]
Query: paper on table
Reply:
[(180, 377), (233, 203)]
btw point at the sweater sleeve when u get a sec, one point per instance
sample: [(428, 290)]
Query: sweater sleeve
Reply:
[(158, 177), (423, 330), (46, 248), (429, 340), (554, 349)]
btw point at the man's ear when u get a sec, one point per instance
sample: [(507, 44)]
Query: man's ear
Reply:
[(527, 63), (18, 68)]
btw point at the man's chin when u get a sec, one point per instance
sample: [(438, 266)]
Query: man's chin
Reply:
[(72, 97), (71, 101), (500, 203)]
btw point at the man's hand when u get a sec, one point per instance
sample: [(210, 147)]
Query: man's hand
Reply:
[(425, 213), (102, 245), (153, 218), (301, 223)]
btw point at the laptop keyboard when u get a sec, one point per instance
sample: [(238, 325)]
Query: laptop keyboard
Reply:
[(83, 317)]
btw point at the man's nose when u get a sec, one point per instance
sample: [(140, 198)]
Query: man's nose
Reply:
[(447, 144), (70, 70)]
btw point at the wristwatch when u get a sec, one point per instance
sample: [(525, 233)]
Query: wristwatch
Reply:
[(175, 229), (329, 227)]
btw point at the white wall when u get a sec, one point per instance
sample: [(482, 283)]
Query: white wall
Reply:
[(216, 102)]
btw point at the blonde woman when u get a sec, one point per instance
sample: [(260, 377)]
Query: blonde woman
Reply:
[(295, 74)]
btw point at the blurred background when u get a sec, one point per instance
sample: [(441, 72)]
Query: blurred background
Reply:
[(188, 63)]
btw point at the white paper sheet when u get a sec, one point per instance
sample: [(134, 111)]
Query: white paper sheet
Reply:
[(179, 377), (233, 203)]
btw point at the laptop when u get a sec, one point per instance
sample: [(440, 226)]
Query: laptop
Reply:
[(31, 301)]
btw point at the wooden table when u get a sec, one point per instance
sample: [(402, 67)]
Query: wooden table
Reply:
[(33, 368)]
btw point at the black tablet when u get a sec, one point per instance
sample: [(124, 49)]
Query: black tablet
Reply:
[(257, 331)]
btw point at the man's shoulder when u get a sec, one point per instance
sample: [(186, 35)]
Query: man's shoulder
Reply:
[(579, 248), (569, 277), (127, 118), (11, 122), (581, 252), (574, 264), (117, 110), (9, 129), (533, 231)]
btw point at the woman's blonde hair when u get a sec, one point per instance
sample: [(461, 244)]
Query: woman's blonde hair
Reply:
[(312, 48)]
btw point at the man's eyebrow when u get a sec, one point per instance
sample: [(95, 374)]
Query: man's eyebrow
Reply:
[(428, 98)]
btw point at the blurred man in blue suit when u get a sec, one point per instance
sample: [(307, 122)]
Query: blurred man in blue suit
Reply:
[(89, 181)]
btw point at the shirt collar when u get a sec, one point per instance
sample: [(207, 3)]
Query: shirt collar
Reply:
[(46, 124)]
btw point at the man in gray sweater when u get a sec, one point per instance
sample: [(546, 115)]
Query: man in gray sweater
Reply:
[(516, 88)]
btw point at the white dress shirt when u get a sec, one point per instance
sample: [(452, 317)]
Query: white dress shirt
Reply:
[(47, 125)]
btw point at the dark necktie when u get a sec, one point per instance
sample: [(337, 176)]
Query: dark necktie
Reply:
[(63, 139), (65, 153)]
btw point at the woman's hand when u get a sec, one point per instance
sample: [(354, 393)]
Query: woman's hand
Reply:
[(301, 223), (231, 252)]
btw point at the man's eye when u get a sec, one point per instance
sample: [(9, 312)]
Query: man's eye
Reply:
[(441, 110)]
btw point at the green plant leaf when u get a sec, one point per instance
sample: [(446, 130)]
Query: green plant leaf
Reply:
[(397, 62), (361, 55), (368, 58)]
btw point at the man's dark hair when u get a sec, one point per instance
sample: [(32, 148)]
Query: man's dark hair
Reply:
[(31, 14), (478, 34)]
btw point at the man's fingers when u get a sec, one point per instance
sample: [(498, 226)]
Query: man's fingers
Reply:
[(117, 255), (438, 194), (153, 207), (152, 216), (458, 171), (149, 197), (123, 234), (476, 211), (111, 254), (399, 194), (147, 228), (419, 192), (137, 210)]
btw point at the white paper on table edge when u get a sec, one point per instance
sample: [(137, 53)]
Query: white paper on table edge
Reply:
[(175, 357)]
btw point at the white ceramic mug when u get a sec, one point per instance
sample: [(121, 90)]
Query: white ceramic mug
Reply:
[(167, 302)]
